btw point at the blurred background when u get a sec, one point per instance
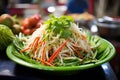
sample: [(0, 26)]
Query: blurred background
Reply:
[(98, 8), (101, 17)]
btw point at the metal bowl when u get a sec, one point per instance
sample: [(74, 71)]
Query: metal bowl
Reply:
[(108, 27)]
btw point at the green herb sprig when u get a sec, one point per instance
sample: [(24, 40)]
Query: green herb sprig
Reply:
[(59, 25)]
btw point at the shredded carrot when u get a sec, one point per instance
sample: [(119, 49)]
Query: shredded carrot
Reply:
[(23, 50), (80, 48), (54, 55), (43, 54), (47, 63), (43, 61), (83, 37), (78, 53), (39, 44), (36, 43)]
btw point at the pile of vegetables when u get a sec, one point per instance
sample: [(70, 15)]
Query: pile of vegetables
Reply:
[(58, 42), (11, 22), (27, 26), (11, 26)]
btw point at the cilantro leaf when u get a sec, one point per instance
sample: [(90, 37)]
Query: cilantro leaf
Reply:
[(59, 25)]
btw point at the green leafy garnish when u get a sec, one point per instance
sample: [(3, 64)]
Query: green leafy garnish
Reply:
[(59, 25)]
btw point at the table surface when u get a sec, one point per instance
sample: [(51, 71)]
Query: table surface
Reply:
[(9, 70)]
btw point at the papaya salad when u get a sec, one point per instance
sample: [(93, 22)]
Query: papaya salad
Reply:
[(58, 42)]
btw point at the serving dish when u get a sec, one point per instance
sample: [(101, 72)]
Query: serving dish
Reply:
[(108, 27), (105, 55)]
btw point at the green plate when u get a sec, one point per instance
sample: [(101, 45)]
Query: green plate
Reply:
[(103, 58)]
